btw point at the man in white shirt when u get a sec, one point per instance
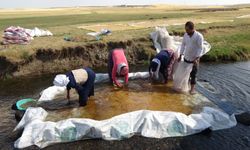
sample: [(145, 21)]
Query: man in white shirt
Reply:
[(191, 49)]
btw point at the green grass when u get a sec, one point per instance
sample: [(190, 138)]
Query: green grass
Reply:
[(228, 47), (229, 42), (64, 20)]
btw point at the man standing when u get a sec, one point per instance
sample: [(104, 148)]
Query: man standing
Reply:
[(191, 49)]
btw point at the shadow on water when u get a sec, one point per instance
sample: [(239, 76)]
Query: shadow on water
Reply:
[(226, 85)]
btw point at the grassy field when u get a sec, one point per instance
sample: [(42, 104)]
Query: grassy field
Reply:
[(228, 35)]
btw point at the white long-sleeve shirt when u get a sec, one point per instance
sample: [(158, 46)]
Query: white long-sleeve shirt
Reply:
[(191, 47)]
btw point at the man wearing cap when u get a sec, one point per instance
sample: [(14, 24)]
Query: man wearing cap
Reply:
[(118, 66), (80, 79)]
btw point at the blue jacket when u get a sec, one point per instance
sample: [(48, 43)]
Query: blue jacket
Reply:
[(164, 57), (85, 90)]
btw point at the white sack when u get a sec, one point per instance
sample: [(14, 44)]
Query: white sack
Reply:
[(153, 124), (181, 76), (155, 36), (54, 92), (182, 72), (36, 32)]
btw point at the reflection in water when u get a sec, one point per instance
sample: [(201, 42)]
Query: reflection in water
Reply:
[(109, 102)]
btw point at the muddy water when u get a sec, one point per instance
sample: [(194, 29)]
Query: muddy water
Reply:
[(109, 102), (226, 85)]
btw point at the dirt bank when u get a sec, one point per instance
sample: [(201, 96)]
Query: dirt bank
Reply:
[(47, 61), (138, 51)]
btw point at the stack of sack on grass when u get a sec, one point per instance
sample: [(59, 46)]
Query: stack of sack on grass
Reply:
[(16, 35), (19, 35)]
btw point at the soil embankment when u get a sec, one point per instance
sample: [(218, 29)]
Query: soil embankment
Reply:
[(95, 55)]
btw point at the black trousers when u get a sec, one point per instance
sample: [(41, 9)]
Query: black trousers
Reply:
[(110, 66), (193, 74)]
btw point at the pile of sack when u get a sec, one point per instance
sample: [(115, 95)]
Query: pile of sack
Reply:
[(16, 35), (19, 35)]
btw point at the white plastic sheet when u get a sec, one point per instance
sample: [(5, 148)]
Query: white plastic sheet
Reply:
[(54, 92), (98, 34), (154, 124), (159, 32), (181, 76), (36, 32)]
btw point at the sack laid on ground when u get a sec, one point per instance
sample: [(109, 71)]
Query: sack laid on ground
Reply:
[(153, 124), (36, 32), (52, 93), (19, 35), (16, 35)]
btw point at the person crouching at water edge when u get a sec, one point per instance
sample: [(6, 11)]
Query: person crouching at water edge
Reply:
[(191, 49), (82, 80), (118, 67), (162, 64)]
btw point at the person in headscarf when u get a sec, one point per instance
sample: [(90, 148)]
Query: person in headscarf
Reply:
[(163, 62), (118, 66), (82, 80)]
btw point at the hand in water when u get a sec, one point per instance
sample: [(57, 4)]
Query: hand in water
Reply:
[(119, 85)]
